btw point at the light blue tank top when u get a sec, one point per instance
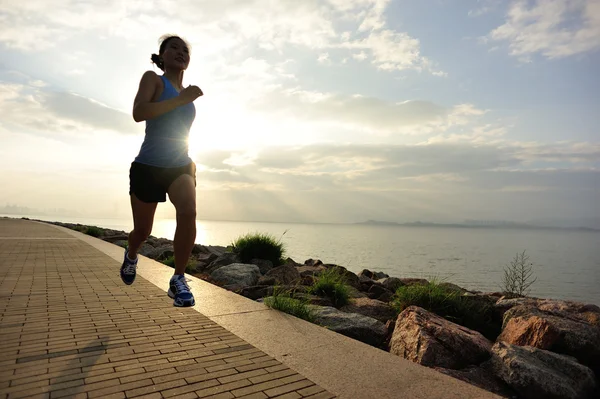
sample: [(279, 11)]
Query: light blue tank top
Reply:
[(166, 141)]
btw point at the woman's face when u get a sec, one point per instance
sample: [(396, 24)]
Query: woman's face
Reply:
[(176, 55)]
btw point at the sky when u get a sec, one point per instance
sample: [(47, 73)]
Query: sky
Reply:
[(329, 111)]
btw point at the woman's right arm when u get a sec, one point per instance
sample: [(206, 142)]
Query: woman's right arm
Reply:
[(143, 107)]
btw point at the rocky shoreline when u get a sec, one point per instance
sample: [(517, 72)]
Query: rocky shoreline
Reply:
[(535, 348)]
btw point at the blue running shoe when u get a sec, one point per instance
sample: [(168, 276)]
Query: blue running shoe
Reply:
[(128, 269), (180, 291)]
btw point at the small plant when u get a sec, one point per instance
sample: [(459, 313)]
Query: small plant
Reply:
[(258, 246), (449, 304), (170, 261), (518, 275), (331, 283), (189, 268), (283, 301), (93, 231)]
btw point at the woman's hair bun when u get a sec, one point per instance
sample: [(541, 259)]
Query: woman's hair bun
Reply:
[(157, 60)]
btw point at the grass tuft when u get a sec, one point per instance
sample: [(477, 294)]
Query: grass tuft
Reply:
[(450, 304), (284, 302), (331, 283), (93, 231), (258, 246)]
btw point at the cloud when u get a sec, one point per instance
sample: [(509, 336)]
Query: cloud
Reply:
[(553, 29), (35, 107), (366, 112), (275, 25), (444, 167)]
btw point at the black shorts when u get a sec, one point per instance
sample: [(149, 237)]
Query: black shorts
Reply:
[(151, 183)]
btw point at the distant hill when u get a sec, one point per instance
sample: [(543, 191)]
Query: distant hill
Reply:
[(482, 224)]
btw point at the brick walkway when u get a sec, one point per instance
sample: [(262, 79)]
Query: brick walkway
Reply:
[(70, 328)]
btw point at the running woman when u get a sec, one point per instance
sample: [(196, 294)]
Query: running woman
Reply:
[(163, 165)]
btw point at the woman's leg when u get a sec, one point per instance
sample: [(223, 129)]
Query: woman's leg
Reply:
[(143, 218), (182, 193)]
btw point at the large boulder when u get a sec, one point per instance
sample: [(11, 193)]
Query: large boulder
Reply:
[(353, 325), (430, 340), (284, 275), (568, 334), (556, 307), (237, 275), (370, 307), (539, 374), (530, 331), (264, 265), (224, 259)]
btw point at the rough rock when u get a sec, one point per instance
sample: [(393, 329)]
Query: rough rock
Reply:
[(576, 337), (413, 281), (354, 293), (146, 249), (263, 265), (430, 340), (204, 259), (285, 274), (350, 278), (224, 259), (237, 274), (313, 262), (353, 325), (266, 280), (313, 299), (530, 331), (372, 275), (539, 374), (161, 253), (310, 271), (547, 305), (290, 261), (115, 237), (370, 307), (391, 283), (257, 291), (376, 291), (480, 378), (386, 297), (453, 287)]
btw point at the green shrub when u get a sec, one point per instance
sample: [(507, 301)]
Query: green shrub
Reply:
[(331, 283), (258, 246), (170, 261), (93, 231), (476, 314), (283, 301)]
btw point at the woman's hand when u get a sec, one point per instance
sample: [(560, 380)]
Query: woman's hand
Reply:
[(189, 94)]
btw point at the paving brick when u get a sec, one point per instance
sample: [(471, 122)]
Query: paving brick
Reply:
[(310, 390), (77, 331), (288, 388), (290, 395)]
